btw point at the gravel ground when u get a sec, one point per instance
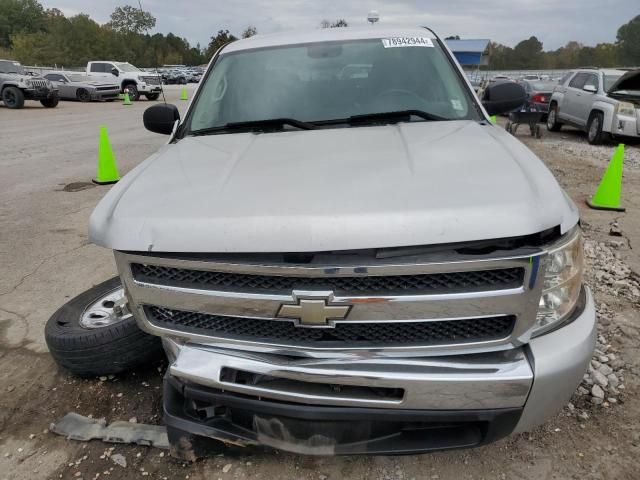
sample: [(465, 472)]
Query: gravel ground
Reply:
[(45, 259)]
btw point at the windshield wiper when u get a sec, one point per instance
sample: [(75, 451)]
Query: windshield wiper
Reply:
[(277, 123), (386, 117)]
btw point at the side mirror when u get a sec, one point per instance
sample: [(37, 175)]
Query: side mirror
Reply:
[(590, 88), (503, 97), (161, 118), (114, 71)]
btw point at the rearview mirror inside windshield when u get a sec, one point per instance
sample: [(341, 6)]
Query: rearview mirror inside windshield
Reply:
[(324, 51)]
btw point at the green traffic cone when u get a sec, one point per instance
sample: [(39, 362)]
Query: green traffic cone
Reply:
[(183, 94), (107, 168), (607, 196), (493, 119), (127, 100)]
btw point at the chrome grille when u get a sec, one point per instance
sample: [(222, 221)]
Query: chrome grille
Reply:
[(451, 304), (151, 80), (451, 282), (345, 334)]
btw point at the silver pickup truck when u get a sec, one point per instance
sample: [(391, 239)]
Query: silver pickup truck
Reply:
[(350, 263)]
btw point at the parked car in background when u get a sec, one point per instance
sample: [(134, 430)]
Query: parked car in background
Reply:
[(171, 77), (16, 87), (602, 102), (193, 76), (77, 86), (132, 80), (538, 94)]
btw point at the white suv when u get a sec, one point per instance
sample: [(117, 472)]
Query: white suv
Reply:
[(601, 102)]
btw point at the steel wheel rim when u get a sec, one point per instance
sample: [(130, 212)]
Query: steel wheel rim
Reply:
[(9, 98), (104, 312), (551, 118), (593, 129)]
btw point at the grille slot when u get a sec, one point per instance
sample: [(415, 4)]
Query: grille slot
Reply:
[(151, 80), (345, 334), (480, 280)]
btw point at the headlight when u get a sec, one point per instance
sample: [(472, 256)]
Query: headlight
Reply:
[(26, 82), (626, 108), (563, 267)]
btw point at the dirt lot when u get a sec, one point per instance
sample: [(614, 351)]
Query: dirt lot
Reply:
[(45, 259)]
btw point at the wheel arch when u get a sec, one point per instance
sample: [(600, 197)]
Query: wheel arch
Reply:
[(607, 112), (8, 84), (128, 81)]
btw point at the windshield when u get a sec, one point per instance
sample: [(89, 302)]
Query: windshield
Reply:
[(127, 67), (330, 80), (610, 79), (7, 66)]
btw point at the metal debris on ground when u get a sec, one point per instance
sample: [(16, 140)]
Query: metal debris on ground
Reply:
[(78, 427)]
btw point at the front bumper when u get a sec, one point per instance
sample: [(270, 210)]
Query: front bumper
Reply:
[(626, 126), (149, 88), (365, 403), (39, 94)]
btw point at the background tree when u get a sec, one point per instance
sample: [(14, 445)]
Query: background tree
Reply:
[(629, 42), (129, 19), (19, 16), (341, 22), (528, 54), (250, 31), (222, 38), (453, 37)]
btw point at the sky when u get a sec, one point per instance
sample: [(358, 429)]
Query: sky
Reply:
[(554, 22)]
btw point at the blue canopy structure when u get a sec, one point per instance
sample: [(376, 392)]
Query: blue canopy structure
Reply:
[(470, 52)]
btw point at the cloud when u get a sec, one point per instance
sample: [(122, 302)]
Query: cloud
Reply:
[(553, 22)]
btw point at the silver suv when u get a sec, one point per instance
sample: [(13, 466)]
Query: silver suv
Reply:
[(604, 103)]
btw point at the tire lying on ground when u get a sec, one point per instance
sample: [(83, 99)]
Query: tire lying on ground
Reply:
[(90, 335)]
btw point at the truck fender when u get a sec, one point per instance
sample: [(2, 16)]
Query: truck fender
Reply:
[(608, 111), (127, 81)]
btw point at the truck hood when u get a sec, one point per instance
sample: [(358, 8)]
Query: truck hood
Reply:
[(19, 77), (408, 184)]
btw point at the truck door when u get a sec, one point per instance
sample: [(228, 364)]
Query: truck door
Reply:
[(102, 70)]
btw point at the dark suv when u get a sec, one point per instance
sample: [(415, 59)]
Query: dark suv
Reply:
[(16, 87)]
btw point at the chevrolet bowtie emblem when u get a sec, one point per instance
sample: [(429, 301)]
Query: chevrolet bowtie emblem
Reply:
[(314, 312)]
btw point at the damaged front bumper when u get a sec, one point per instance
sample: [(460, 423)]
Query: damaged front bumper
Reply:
[(239, 420), (365, 403)]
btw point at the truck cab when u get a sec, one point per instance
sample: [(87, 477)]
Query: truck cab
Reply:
[(132, 80)]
